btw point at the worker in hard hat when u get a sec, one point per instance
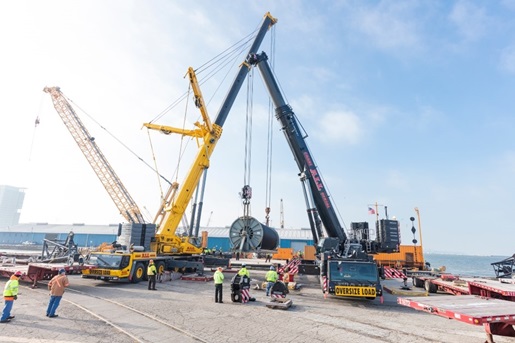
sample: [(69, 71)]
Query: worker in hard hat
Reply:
[(271, 278), (243, 271), (56, 286), (151, 273), (10, 294)]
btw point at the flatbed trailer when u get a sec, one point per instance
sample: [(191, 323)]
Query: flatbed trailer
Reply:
[(444, 283), (34, 272), (492, 289), (497, 316)]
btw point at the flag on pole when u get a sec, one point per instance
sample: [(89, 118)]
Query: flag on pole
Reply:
[(371, 210)]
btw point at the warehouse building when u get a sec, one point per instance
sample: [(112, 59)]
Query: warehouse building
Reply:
[(94, 235)]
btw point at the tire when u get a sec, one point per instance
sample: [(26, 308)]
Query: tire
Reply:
[(236, 297), (138, 273), (418, 283), (430, 287), (160, 266)]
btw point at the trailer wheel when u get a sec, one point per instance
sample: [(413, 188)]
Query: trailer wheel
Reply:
[(139, 272), (418, 283), (430, 287)]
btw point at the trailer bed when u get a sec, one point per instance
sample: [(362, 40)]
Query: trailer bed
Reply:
[(455, 287), (491, 289), (34, 272), (496, 315)]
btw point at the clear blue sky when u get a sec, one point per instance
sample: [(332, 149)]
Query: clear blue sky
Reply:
[(406, 103)]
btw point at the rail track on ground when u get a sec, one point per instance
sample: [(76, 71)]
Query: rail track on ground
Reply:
[(137, 325)]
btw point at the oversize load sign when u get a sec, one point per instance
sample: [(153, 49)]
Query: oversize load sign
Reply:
[(346, 291)]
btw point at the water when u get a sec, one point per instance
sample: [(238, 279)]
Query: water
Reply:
[(464, 265)]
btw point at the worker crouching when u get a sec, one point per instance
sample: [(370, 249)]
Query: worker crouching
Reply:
[(240, 285), (271, 278)]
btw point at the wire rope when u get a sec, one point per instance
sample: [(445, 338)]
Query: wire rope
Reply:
[(116, 138), (269, 144)]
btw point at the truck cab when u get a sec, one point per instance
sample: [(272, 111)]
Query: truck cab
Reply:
[(121, 265), (353, 278)]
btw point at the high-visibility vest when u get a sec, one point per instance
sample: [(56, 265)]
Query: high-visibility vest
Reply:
[(271, 276), (243, 271), (11, 288), (151, 270)]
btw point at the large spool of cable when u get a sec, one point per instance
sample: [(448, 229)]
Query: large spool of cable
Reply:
[(248, 234)]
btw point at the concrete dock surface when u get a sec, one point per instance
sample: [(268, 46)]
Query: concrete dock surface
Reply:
[(185, 311)]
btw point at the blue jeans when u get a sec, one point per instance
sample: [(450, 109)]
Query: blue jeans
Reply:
[(269, 285), (53, 304), (7, 309)]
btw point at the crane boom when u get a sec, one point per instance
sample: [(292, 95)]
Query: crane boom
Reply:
[(300, 150), (207, 135), (110, 180)]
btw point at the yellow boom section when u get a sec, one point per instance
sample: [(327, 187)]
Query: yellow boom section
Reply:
[(173, 208)]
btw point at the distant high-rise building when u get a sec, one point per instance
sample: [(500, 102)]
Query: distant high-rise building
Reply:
[(11, 202)]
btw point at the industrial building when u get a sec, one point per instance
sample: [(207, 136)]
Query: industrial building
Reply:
[(94, 235), (11, 202)]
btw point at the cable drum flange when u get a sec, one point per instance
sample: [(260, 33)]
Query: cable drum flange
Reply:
[(248, 234)]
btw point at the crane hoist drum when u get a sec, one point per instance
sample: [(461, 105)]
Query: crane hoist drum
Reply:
[(247, 234)]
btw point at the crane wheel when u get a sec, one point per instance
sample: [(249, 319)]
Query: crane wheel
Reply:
[(138, 273), (160, 266)]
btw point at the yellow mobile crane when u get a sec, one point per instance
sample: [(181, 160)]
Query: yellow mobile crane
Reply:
[(176, 201), (170, 251)]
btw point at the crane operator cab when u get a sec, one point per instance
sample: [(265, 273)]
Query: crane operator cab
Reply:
[(353, 278)]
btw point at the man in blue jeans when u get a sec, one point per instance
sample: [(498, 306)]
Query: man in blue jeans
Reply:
[(271, 278), (56, 287), (10, 294)]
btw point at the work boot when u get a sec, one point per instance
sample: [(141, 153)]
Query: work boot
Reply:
[(53, 315), (10, 317)]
